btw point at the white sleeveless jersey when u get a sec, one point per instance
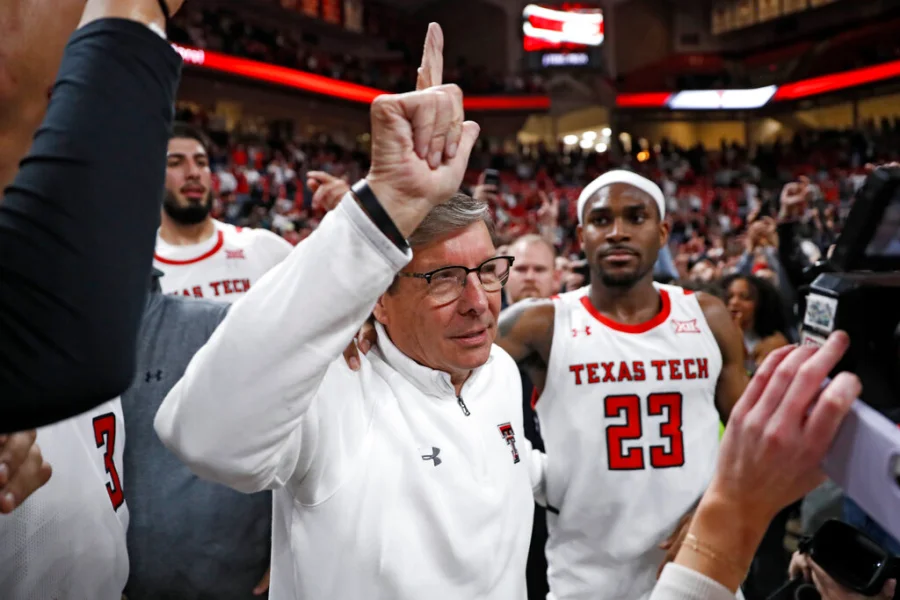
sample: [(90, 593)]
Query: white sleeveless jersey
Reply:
[(68, 540), (222, 268), (631, 433)]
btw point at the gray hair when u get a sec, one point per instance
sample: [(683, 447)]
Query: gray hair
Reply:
[(457, 213)]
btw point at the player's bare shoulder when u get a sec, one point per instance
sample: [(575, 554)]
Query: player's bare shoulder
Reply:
[(526, 329), (713, 309), (718, 318)]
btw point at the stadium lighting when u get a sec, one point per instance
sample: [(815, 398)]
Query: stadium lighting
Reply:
[(601, 147), (606, 132), (334, 88), (570, 140), (586, 144), (589, 135), (755, 98)]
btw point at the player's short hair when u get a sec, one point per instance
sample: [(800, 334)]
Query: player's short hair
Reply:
[(458, 212), (182, 130)]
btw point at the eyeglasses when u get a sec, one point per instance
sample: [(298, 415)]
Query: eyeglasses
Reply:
[(447, 283)]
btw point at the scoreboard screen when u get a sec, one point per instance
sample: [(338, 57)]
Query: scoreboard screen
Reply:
[(566, 35)]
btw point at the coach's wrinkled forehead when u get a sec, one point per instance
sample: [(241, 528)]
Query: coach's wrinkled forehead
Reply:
[(619, 194)]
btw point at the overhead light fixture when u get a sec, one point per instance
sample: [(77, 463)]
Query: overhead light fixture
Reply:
[(589, 135), (643, 156), (601, 147), (606, 132), (586, 144), (570, 140)]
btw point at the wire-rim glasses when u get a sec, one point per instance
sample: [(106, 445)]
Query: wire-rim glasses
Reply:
[(447, 283)]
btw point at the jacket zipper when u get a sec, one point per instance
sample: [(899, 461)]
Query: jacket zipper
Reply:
[(463, 406)]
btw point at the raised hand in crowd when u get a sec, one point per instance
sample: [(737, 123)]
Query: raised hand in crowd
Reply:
[(486, 192), (23, 469), (327, 189), (761, 233), (571, 279), (794, 199), (548, 216)]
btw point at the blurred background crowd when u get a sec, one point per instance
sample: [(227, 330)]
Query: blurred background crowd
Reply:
[(759, 119)]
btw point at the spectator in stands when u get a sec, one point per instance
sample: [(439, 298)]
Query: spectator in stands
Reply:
[(534, 273), (756, 308)]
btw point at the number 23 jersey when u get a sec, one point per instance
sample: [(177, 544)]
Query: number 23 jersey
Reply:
[(630, 428)]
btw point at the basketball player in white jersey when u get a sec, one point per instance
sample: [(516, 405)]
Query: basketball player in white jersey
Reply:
[(637, 377), (68, 540), (202, 257)]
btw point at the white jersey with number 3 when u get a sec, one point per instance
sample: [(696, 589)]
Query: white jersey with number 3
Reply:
[(631, 430), (222, 268), (68, 540)]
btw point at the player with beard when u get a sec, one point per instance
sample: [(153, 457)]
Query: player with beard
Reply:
[(202, 257), (637, 376)]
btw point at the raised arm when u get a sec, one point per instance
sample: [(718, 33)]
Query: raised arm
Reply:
[(733, 379), (236, 415), (77, 225)]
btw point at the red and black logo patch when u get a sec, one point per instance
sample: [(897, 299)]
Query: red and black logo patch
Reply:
[(509, 435)]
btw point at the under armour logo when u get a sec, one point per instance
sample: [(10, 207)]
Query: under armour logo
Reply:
[(150, 376), (239, 253), (686, 326), (433, 456), (585, 331)]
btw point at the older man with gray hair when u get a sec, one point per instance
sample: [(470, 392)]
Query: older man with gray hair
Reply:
[(407, 478)]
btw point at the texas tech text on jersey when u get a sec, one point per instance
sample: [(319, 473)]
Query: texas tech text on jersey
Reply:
[(223, 267)]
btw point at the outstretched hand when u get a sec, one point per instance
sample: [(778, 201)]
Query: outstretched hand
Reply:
[(782, 427), (327, 189)]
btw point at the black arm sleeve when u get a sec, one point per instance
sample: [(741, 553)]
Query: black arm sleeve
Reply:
[(78, 226)]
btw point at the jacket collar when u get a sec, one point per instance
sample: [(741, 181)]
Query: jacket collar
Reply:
[(427, 380)]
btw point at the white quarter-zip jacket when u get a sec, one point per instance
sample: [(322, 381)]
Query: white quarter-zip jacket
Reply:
[(386, 484)]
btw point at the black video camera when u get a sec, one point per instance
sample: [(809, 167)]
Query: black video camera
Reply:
[(849, 557), (858, 291)]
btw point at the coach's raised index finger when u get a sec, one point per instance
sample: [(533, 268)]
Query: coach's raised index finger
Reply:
[(431, 71)]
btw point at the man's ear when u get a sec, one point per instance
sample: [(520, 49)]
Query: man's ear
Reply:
[(663, 233), (380, 312)]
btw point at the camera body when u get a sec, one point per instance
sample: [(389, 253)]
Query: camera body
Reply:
[(849, 557), (858, 291)]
